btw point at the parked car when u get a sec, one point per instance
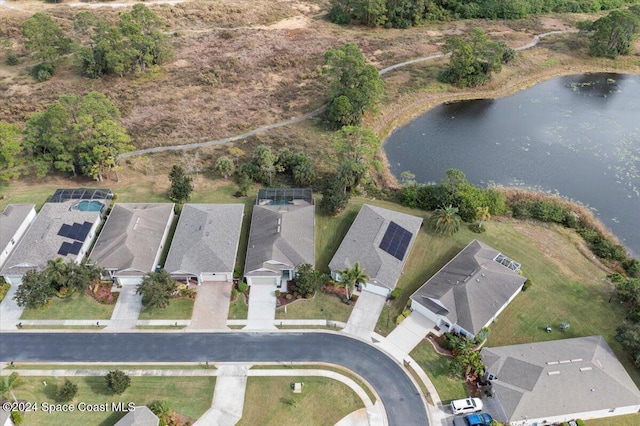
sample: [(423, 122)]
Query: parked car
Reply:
[(480, 419), (466, 406)]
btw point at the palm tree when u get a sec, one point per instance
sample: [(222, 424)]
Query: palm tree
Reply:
[(445, 220), (56, 272), (9, 384), (349, 277), (482, 215)]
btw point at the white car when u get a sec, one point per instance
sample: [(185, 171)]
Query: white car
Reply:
[(467, 405)]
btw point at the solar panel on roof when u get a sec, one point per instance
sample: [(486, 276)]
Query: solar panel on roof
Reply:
[(64, 249), (75, 247), (64, 230), (83, 231), (396, 240)]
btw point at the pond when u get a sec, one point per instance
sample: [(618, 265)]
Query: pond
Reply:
[(578, 136)]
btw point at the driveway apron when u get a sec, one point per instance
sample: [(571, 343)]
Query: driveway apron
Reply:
[(365, 315), (125, 314), (262, 307), (406, 336), (211, 308), (10, 312)]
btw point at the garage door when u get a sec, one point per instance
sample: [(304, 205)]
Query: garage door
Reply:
[(129, 280), (215, 277), (264, 281)]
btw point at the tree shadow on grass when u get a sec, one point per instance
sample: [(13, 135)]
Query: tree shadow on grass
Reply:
[(97, 385), (112, 419)]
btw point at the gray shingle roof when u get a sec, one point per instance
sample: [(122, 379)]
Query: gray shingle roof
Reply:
[(544, 379), (141, 416), (10, 220), (472, 287), (41, 242), (280, 233), (362, 244), (206, 239), (132, 236)]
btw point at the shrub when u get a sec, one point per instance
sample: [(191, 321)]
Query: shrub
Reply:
[(242, 286), (117, 381), (67, 391), (632, 266), (399, 319), (43, 71), (526, 285), (354, 298), (477, 228), (308, 295), (278, 293), (289, 296), (395, 293), (234, 293), (580, 422), (16, 417), (12, 59)]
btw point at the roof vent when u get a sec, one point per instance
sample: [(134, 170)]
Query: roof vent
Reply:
[(278, 230), (585, 369), (553, 373)]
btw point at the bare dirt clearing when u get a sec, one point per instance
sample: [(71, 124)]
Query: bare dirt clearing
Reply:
[(237, 65)]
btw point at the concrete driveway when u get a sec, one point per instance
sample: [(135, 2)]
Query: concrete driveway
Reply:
[(365, 315), (211, 308), (10, 312), (125, 314), (401, 341), (262, 307)]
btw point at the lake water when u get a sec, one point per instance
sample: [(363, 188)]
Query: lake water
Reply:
[(578, 136)]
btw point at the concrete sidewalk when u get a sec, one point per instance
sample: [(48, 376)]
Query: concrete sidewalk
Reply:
[(228, 397)]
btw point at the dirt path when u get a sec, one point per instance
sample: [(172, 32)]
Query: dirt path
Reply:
[(311, 114)]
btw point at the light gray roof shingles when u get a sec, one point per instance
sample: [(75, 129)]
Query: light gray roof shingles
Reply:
[(11, 219), (206, 239), (41, 242), (141, 416), (362, 245), (472, 287), (280, 233), (585, 376), (132, 236)]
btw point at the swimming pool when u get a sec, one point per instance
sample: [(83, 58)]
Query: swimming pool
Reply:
[(89, 206)]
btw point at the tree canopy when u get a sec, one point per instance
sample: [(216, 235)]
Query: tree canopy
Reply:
[(45, 39), (10, 150), (472, 61), (135, 43), (355, 86), (77, 134), (181, 185), (614, 34), (157, 289)]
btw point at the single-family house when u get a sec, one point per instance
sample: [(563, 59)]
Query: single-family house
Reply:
[(470, 291), (132, 239), (62, 229), (14, 221), (205, 242), (557, 381), (380, 240), (281, 237), (140, 416)]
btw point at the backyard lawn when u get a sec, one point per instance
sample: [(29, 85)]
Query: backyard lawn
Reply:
[(178, 309), (323, 401), (189, 396), (78, 306)]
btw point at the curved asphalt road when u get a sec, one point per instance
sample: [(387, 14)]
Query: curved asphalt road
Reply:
[(400, 397)]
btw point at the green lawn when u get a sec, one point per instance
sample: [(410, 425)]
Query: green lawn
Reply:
[(437, 368), (323, 401), (238, 309), (189, 396), (178, 309), (78, 306), (320, 307)]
